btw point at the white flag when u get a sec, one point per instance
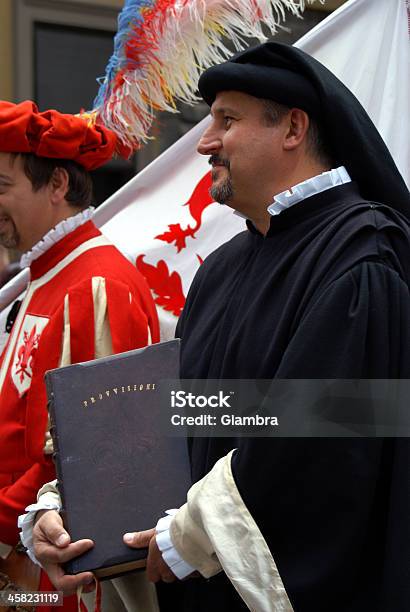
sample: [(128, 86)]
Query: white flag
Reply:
[(366, 44), (164, 219)]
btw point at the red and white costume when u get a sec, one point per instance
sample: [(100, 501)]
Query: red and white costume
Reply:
[(85, 300)]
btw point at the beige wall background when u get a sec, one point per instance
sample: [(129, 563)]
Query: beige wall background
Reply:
[(7, 28), (108, 3), (6, 50)]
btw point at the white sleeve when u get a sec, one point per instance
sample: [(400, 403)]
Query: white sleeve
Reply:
[(214, 530), (48, 498), (171, 556)]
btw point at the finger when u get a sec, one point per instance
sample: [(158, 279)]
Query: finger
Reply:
[(157, 568), (152, 569), (139, 539), (50, 527), (166, 574), (153, 574), (159, 571), (66, 583), (48, 553)]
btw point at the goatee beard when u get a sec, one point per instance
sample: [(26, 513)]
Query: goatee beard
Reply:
[(222, 193), (9, 238)]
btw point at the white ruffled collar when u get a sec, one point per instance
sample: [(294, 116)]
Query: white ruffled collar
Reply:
[(54, 235), (312, 186)]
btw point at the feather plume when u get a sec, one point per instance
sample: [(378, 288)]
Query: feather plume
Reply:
[(161, 48)]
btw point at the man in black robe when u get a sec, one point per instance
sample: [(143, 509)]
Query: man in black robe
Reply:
[(316, 287)]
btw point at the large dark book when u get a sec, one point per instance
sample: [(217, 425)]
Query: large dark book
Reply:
[(116, 472)]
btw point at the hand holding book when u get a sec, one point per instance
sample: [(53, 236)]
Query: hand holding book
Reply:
[(116, 470), (53, 548), (157, 569), (164, 561)]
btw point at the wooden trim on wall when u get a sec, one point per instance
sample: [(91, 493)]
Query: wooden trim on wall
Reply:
[(60, 12), (6, 51), (116, 4)]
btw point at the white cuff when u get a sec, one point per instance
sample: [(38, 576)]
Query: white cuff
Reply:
[(171, 556), (26, 523)]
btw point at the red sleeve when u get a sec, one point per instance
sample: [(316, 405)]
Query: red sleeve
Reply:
[(14, 498), (127, 319)]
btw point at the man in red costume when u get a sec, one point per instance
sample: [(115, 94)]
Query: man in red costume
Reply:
[(85, 299)]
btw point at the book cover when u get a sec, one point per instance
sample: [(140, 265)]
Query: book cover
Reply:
[(116, 472)]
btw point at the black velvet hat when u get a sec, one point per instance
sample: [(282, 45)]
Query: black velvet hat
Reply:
[(289, 76)]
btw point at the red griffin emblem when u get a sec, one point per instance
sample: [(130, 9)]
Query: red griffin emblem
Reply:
[(166, 286), (26, 353), (197, 203)]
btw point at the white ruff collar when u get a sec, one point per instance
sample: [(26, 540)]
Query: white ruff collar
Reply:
[(66, 226), (311, 186)]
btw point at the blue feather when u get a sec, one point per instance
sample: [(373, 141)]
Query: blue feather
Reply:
[(128, 17)]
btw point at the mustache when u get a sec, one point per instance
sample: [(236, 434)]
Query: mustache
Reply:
[(216, 159)]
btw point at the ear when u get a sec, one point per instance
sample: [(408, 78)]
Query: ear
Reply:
[(58, 185), (297, 127)]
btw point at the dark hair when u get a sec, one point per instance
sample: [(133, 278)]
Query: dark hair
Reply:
[(317, 145), (39, 170)]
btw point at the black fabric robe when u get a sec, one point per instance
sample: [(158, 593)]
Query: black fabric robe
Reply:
[(324, 295)]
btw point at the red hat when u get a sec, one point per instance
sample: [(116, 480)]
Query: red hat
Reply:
[(52, 134)]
